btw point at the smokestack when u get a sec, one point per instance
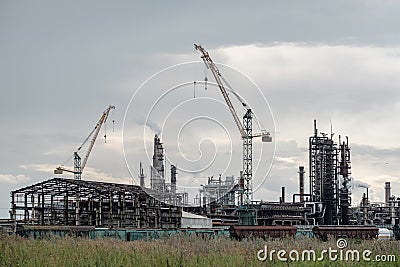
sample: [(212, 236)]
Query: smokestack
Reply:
[(387, 193), (283, 195), (141, 176), (173, 178), (315, 128), (364, 203), (301, 183)]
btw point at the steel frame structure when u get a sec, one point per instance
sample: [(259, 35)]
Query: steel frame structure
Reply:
[(323, 158), (248, 157), (70, 202), (344, 167)]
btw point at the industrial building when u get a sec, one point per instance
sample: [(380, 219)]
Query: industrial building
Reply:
[(222, 202), (62, 202), (373, 213)]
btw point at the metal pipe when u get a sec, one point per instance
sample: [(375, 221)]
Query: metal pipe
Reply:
[(301, 183)]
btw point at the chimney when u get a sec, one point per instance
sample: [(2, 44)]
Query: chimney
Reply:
[(141, 176), (364, 203), (315, 128), (301, 183), (283, 195), (387, 193)]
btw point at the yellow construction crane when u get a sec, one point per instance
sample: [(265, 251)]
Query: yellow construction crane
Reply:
[(245, 129), (78, 165)]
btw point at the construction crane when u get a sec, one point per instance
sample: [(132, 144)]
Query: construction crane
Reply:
[(245, 129), (79, 165)]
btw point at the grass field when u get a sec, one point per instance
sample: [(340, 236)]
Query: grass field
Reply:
[(176, 251)]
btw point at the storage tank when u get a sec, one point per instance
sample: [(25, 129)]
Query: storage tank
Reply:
[(384, 234)]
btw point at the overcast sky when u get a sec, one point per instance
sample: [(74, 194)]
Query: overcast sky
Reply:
[(62, 63)]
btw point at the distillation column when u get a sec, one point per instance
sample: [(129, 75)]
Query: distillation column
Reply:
[(157, 170), (344, 171), (323, 173)]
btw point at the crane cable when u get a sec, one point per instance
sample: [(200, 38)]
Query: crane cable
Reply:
[(80, 147), (245, 106), (113, 119), (230, 89), (194, 74), (68, 160), (205, 78), (94, 129), (105, 132), (105, 124), (87, 138)]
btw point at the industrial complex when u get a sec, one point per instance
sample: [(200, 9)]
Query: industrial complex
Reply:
[(222, 205)]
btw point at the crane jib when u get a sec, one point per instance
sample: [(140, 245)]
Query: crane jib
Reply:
[(78, 166), (245, 132)]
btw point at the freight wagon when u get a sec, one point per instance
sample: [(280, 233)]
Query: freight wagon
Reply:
[(240, 232)]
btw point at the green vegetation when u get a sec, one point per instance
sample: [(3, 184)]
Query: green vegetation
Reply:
[(174, 251)]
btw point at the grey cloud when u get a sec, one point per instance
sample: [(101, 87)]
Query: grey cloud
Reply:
[(381, 153), (63, 64)]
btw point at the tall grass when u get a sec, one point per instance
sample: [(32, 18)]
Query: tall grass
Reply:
[(174, 251)]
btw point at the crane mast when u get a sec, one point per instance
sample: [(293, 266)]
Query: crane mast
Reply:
[(79, 165), (245, 129)]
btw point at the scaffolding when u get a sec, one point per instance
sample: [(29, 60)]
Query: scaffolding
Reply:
[(68, 202)]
